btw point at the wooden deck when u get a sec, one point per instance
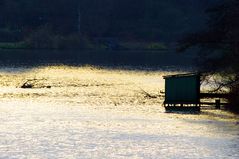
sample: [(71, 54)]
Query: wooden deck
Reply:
[(182, 93), (195, 107), (213, 95)]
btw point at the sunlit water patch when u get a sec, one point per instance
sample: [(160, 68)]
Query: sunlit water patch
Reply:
[(100, 113)]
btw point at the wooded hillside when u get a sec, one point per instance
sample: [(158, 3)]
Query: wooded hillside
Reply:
[(155, 20)]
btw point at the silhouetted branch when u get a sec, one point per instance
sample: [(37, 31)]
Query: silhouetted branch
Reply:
[(30, 83)]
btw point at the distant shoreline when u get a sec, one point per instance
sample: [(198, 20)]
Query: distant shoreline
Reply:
[(121, 46)]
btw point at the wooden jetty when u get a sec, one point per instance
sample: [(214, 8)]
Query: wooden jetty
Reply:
[(182, 93)]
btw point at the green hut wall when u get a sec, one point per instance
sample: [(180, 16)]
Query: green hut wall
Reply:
[(182, 89)]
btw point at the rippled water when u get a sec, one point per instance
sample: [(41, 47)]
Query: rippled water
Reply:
[(104, 113)]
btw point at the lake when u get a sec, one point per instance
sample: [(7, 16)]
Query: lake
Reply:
[(97, 107), (135, 59)]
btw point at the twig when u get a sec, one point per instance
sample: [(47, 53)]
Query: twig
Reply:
[(27, 84), (147, 94)]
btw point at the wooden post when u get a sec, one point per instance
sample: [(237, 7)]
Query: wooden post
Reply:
[(218, 105)]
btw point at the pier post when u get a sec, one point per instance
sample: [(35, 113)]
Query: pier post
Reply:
[(218, 104)]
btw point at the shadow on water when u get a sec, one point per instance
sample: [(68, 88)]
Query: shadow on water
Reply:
[(183, 112), (153, 60)]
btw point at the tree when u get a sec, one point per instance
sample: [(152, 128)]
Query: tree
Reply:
[(219, 47)]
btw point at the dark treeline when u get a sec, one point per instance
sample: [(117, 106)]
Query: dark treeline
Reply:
[(155, 20), (219, 48), (22, 17)]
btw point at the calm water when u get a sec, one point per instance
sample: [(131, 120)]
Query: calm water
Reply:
[(136, 59), (92, 112)]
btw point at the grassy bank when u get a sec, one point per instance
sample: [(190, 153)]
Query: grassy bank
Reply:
[(88, 46), (13, 45), (143, 45), (45, 37)]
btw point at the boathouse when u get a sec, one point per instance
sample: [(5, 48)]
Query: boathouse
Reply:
[(182, 92)]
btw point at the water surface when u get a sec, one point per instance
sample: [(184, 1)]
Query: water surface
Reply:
[(129, 59), (92, 112)]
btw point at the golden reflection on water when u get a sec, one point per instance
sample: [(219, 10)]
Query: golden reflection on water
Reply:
[(86, 85), (105, 108), (96, 88)]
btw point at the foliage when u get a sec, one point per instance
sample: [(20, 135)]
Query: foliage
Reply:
[(45, 38), (9, 35), (42, 38), (156, 46), (16, 45), (154, 20), (219, 46), (73, 41), (143, 45)]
